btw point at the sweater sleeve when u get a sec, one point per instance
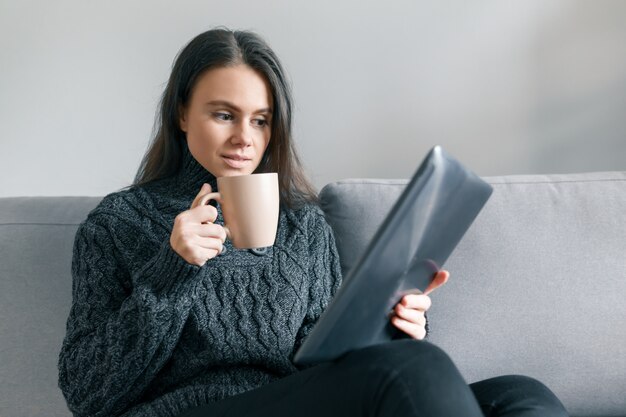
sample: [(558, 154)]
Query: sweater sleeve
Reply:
[(119, 336), (324, 273)]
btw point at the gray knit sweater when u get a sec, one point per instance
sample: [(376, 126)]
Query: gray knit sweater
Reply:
[(150, 335)]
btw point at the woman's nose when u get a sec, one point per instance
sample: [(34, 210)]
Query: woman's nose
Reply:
[(242, 134)]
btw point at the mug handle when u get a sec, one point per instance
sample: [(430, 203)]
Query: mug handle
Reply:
[(204, 200)]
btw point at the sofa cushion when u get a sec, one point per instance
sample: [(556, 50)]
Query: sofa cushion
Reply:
[(537, 284)]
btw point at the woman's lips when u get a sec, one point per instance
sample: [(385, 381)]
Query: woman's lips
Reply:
[(235, 161)]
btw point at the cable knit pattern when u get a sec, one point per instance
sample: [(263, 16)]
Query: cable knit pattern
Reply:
[(150, 335)]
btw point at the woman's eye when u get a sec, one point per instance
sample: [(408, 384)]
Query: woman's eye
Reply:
[(223, 116), (261, 122)]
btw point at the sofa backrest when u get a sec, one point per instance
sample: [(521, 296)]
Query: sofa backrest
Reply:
[(537, 286)]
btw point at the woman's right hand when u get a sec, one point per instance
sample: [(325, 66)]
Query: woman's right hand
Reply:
[(195, 237)]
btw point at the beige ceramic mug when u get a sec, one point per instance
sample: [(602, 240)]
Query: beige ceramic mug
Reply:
[(250, 208)]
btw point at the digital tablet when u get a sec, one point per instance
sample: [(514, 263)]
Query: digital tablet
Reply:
[(428, 220)]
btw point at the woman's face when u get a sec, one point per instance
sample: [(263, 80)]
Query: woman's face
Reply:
[(228, 120)]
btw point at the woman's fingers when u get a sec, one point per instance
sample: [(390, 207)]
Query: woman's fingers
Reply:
[(411, 320), (205, 189), (195, 237), (195, 216), (210, 243), (411, 315), (416, 301), (414, 330), (409, 312), (211, 230), (440, 278), (203, 214), (201, 255), (198, 255)]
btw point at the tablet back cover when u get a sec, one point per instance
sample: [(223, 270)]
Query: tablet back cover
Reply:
[(420, 232)]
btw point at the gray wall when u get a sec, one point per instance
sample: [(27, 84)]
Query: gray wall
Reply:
[(529, 86)]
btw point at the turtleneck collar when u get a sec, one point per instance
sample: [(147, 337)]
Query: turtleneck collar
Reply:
[(191, 175)]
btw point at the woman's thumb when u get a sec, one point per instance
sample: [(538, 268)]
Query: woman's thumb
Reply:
[(205, 189)]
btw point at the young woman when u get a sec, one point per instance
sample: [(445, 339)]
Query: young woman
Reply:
[(168, 319)]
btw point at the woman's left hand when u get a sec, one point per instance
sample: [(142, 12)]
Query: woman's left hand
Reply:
[(409, 312)]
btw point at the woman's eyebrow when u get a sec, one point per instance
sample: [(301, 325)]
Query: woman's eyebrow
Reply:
[(232, 106)]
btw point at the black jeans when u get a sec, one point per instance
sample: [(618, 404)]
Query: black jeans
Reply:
[(401, 378)]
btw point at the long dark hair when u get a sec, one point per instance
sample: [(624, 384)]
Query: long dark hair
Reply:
[(221, 47)]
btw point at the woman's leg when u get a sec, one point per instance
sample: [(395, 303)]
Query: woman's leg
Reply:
[(401, 378), (517, 396)]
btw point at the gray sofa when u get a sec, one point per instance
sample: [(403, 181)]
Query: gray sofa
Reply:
[(538, 286)]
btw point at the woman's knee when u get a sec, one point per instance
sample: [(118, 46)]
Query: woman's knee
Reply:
[(404, 373), (523, 383), (403, 356), (519, 391)]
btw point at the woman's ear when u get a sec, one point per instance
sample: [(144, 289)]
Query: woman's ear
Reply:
[(182, 118)]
